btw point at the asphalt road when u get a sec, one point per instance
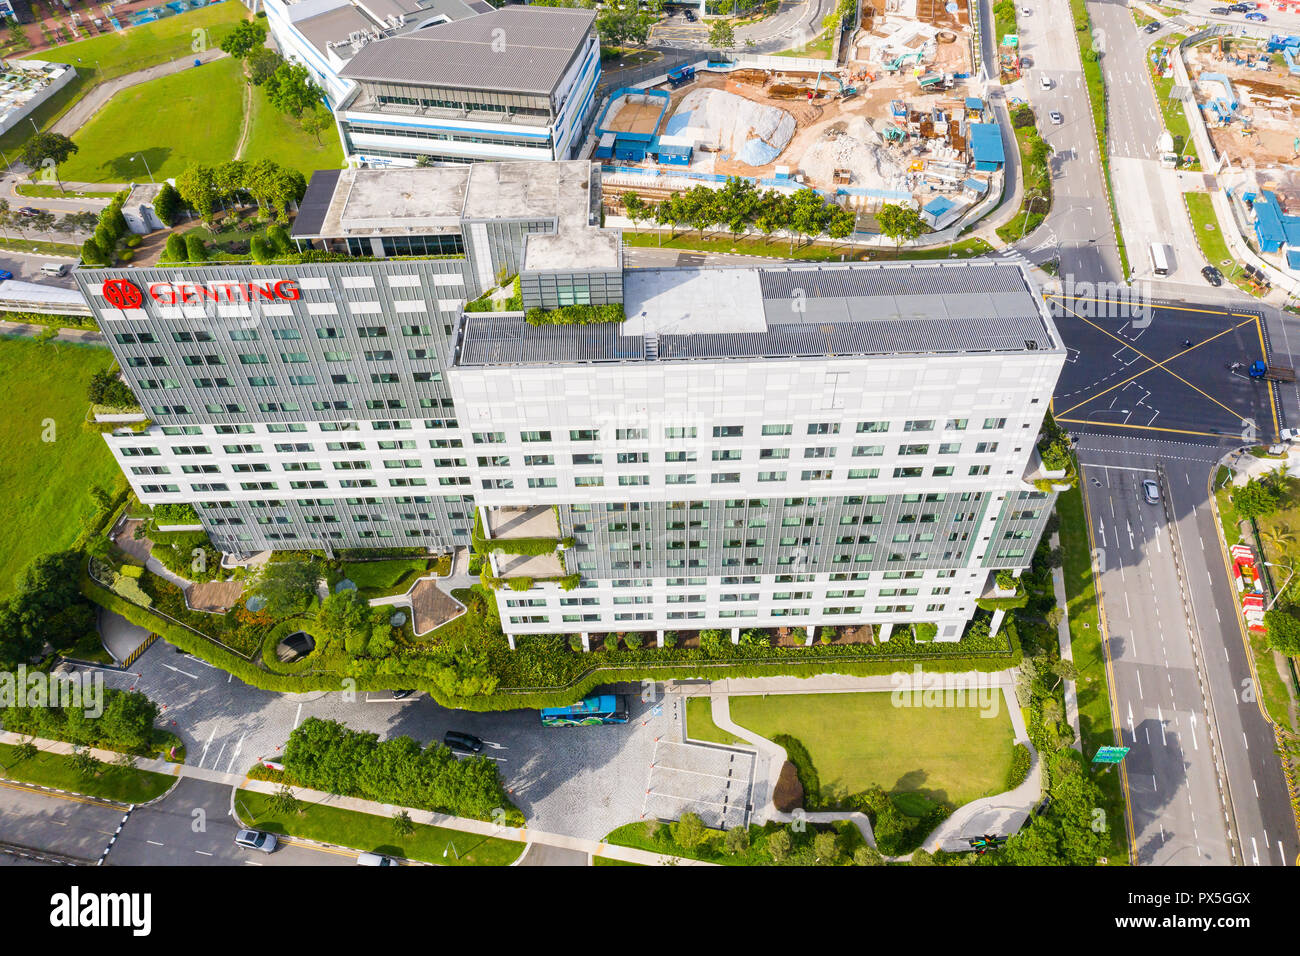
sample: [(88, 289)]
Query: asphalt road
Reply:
[(193, 826), (792, 23), (63, 824)]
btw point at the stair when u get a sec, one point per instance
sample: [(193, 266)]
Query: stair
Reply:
[(651, 347)]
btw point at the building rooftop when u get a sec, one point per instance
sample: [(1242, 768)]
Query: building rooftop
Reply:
[(335, 26), (424, 200), (786, 312), (986, 143), (540, 43), (333, 21), (583, 247)]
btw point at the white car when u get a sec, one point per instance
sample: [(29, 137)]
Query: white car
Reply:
[(1056, 117), (1045, 82), (1290, 434), (1151, 491), (256, 840)]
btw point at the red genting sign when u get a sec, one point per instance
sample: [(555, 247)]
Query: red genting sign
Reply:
[(124, 294)]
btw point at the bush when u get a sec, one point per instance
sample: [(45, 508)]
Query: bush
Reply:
[(1006, 580), (690, 831), (175, 248), (195, 249), (632, 640), (167, 204), (576, 315), (520, 584), (126, 255), (611, 642), (1019, 771), (92, 253), (925, 631), (133, 242), (575, 642), (670, 638)]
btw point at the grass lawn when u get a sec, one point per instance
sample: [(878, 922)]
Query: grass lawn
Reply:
[(818, 49), (700, 725), (385, 578), (857, 741), (137, 48), (607, 861), (1095, 723), (47, 482), (1036, 200), (194, 116), (125, 784), (36, 245), (1172, 110), (780, 248), (44, 191), (375, 834), (278, 137), (1209, 236)]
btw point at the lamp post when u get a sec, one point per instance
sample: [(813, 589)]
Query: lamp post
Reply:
[(1028, 208), (140, 156)]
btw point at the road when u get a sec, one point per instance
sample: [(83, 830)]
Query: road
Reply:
[(65, 825), (794, 22)]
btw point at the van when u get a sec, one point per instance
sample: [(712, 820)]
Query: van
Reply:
[(1045, 82), (1161, 259), (374, 859), (54, 268)]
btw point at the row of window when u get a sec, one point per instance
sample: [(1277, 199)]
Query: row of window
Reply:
[(734, 477), (335, 405), (735, 431), (283, 335), (628, 616)]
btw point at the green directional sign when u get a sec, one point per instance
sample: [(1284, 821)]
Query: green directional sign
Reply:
[(1110, 754)]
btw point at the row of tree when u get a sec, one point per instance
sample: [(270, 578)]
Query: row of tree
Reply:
[(273, 187), (288, 86), (44, 221)]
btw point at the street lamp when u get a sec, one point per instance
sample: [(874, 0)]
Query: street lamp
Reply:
[(140, 156), (1028, 207)]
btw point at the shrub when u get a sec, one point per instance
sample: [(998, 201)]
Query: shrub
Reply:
[(690, 831), (576, 315), (779, 845), (475, 563), (520, 584), (670, 638), (611, 642), (260, 250), (737, 840), (925, 631), (167, 204), (575, 642), (92, 253), (195, 249), (633, 641), (826, 845), (1019, 771), (1006, 580), (175, 248), (133, 242), (126, 255)]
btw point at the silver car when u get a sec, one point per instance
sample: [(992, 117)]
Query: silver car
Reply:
[(1151, 491), (256, 840)]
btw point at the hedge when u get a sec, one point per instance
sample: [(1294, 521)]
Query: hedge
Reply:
[(50, 319), (1019, 771), (576, 315)]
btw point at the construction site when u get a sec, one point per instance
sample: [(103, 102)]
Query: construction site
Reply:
[(1249, 93), (894, 123)]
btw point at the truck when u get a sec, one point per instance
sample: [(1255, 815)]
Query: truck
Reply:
[(683, 74), (1271, 373)]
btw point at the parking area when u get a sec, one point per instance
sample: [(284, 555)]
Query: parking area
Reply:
[(1163, 374), (713, 782)]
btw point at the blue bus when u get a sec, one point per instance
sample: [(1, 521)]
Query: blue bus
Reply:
[(601, 709)]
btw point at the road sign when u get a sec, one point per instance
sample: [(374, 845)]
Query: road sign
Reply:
[(1110, 754)]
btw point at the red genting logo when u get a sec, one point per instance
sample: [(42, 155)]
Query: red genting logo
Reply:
[(123, 294)]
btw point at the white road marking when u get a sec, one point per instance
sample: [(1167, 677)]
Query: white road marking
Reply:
[(235, 756), (179, 671), (207, 745)]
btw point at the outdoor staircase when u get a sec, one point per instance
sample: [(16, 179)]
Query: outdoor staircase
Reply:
[(651, 347)]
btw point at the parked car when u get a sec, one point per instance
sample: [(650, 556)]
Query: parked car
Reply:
[(1045, 82), (402, 694), (28, 211), (374, 859), (464, 743), (689, 15), (1290, 434), (1257, 17), (1213, 276), (1056, 117), (1151, 27), (1220, 11), (5, 274), (1024, 11), (256, 840), (1150, 491)]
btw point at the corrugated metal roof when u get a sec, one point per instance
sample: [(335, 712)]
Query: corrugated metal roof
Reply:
[(315, 202), (515, 49)]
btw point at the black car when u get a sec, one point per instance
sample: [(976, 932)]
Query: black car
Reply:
[(402, 694), (689, 15), (464, 743), (1213, 276), (1240, 7), (1220, 11), (1151, 27)]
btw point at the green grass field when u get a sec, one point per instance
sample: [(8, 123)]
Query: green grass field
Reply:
[(47, 482), (375, 834), (722, 242), (862, 740), (138, 48), (194, 116), (126, 784), (700, 725), (276, 137)]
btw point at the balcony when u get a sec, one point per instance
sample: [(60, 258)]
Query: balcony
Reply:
[(508, 523)]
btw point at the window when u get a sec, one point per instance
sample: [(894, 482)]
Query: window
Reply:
[(584, 434), (688, 432), (995, 423), (728, 431), (864, 473), (252, 359), (630, 434), (541, 482), (868, 451), (873, 427), (679, 456), (941, 471), (986, 447), (284, 335), (534, 436), (950, 448), (534, 461), (978, 470), (634, 479), (294, 358), (778, 429), (919, 425), (589, 481), (821, 475), (955, 424), (726, 478), (821, 451), (587, 459), (824, 428), (633, 457), (730, 454), (771, 476), (913, 449), (908, 472), (489, 438)]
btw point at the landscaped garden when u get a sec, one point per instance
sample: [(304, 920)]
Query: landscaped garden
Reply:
[(49, 462), (64, 772)]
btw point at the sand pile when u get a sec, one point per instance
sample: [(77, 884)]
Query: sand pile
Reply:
[(853, 145), (751, 132)]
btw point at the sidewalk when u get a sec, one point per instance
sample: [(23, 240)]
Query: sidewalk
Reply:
[(1067, 652), (464, 824), (80, 336)]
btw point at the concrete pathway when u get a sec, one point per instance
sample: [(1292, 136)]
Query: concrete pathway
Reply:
[(27, 330), (464, 824), (1067, 651)]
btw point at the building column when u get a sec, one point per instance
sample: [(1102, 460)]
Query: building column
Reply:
[(510, 639), (883, 631), (1016, 572), (996, 623), (812, 633), (735, 635), (586, 641), (659, 638)]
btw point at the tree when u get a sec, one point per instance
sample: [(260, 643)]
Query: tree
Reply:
[(402, 824), (635, 207), (690, 831), (43, 221), (260, 65), (1283, 631), (867, 856), (1257, 498), (92, 254), (198, 187), (229, 179), (826, 845), (195, 248), (278, 237), (344, 618), (900, 223), (721, 34), (922, 858), (247, 36), (316, 121), (808, 214), (737, 840), (48, 146), (167, 204), (779, 845), (175, 248), (260, 250), (291, 90), (127, 721), (1064, 670), (287, 586)]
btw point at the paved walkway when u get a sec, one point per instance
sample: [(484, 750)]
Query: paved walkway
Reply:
[(464, 824), (27, 330), (1067, 651)]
